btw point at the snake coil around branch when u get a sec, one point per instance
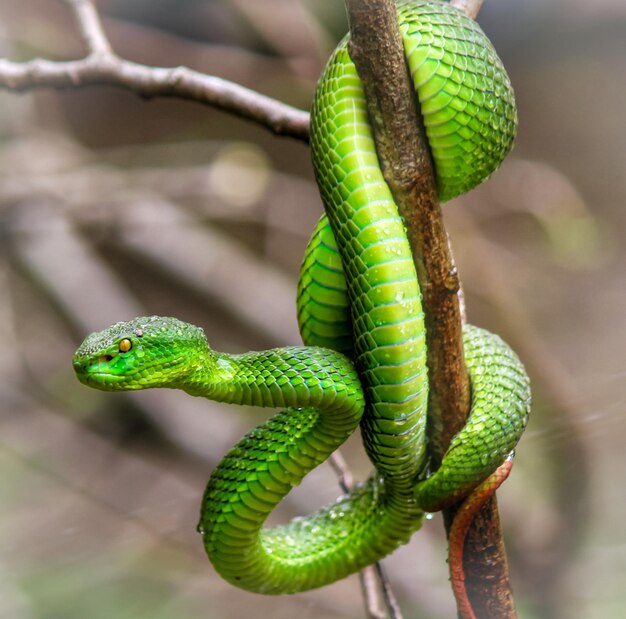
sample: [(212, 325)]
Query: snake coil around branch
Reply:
[(362, 323)]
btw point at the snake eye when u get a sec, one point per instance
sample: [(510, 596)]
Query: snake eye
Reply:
[(125, 345)]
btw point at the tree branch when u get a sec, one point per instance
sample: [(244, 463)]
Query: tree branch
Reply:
[(376, 49), (373, 578), (90, 27), (103, 67)]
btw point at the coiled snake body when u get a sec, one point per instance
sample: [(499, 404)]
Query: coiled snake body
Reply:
[(360, 314)]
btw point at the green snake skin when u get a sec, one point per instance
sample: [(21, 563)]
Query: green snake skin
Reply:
[(361, 318)]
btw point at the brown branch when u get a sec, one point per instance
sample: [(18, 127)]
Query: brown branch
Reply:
[(376, 49), (103, 67)]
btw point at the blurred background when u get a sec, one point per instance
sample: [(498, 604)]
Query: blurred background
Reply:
[(111, 207)]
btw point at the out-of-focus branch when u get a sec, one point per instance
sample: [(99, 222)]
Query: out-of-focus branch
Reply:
[(149, 82), (90, 27), (470, 7), (103, 67), (376, 49), (305, 48)]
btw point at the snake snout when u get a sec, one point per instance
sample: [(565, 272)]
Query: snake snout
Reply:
[(83, 364)]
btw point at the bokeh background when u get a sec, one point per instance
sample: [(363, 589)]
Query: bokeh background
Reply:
[(111, 206)]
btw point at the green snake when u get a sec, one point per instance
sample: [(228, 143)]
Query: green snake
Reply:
[(361, 319)]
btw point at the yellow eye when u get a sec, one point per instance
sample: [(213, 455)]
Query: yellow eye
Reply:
[(125, 345)]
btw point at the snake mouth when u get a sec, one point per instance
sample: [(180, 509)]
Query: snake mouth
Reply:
[(104, 380), (98, 373), (107, 381)]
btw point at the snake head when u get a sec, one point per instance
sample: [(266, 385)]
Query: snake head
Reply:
[(144, 352)]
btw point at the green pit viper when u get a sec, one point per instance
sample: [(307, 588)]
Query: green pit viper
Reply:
[(361, 319)]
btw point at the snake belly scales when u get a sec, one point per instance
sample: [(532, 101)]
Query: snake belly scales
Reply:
[(361, 319)]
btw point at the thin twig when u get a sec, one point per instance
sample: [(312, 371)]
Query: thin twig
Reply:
[(340, 467), (90, 27), (390, 599), (150, 82), (373, 578), (370, 589), (103, 67)]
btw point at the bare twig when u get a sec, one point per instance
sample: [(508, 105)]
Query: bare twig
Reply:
[(340, 467), (377, 51), (373, 579), (306, 47), (149, 82), (90, 27), (103, 67), (374, 602), (388, 595)]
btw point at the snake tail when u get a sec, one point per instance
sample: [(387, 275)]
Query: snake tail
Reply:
[(458, 532)]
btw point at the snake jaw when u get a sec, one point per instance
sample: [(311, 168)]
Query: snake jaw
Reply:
[(106, 371)]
